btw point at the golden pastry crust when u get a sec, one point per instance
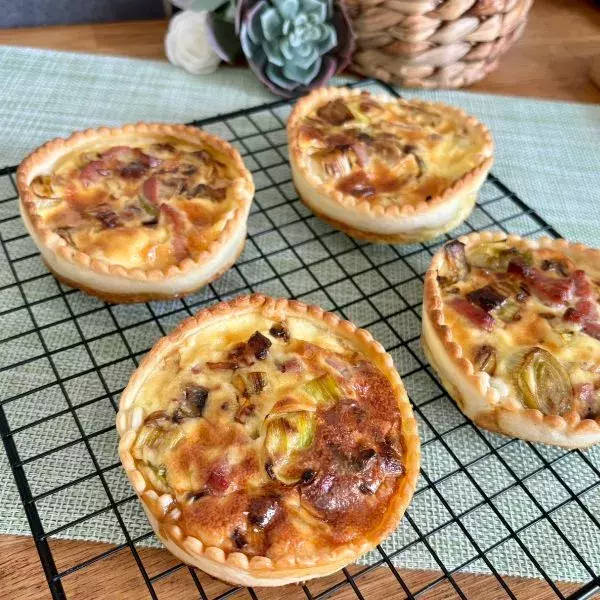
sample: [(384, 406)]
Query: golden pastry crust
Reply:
[(517, 345), (148, 211), (398, 238), (140, 298), (257, 499), (387, 169)]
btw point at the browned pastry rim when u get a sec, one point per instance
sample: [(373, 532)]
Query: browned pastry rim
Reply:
[(387, 222), (471, 388), (96, 276), (236, 567)]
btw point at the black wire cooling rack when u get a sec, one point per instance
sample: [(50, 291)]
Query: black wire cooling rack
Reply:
[(485, 504)]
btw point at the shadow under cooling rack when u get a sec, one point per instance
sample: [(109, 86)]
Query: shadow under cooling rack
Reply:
[(492, 517)]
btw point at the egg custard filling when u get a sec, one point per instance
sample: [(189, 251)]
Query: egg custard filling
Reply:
[(526, 318), (147, 205), (138, 204), (273, 438), (389, 169)]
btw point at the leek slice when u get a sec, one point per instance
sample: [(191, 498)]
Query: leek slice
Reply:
[(543, 382)]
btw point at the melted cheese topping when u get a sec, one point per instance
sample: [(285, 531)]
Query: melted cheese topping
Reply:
[(389, 152), (554, 307), (302, 457), (149, 204)]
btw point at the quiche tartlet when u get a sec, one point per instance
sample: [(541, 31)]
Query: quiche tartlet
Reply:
[(512, 327), (386, 169), (136, 213), (269, 441)]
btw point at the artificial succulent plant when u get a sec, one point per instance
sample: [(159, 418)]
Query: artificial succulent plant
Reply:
[(291, 45), (294, 45)]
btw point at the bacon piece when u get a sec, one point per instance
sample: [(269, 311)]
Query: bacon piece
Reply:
[(218, 480), (339, 141), (150, 190), (106, 215), (133, 170), (292, 365), (158, 189), (518, 267), (584, 394), (116, 152), (585, 311), (362, 156), (475, 314), (94, 171), (582, 283), (309, 132), (593, 330), (206, 191), (487, 298), (391, 461), (174, 217), (281, 331), (122, 153), (456, 267), (347, 141), (357, 184), (550, 290), (259, 345), (335, 112)]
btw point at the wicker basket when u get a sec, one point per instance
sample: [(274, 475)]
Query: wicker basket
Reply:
[(434, 43)]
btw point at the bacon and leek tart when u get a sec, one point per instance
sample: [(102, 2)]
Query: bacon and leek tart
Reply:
[(136, 213), (512, 326), (269, 441), (385, 169)]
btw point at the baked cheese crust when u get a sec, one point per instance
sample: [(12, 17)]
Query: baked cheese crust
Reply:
[(386, 169), (269, 441), (513, 328), (140, 203)]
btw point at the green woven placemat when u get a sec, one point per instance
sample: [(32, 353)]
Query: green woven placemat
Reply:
[(547, 152)]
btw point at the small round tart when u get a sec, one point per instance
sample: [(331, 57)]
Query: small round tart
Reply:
[(512, 327), (270, 442), (136, 213), (386, 169)]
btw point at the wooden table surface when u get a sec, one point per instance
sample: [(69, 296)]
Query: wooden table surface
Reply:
[(552, 61)]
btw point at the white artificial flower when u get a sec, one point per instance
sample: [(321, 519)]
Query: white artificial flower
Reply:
[(187, 45)]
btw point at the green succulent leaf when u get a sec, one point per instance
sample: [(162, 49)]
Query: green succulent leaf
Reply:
[(293, 44), (288, 9), (255, 32), (301, 74), (316, 8), (274, 53), (327, 42), (271, 23), (276, 75)]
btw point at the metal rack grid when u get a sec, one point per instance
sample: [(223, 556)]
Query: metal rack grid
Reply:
[(55, 341)]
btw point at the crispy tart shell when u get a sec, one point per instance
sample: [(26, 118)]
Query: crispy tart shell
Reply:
[(471, 389), (113, 282), (393, 224), (235, 567)]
